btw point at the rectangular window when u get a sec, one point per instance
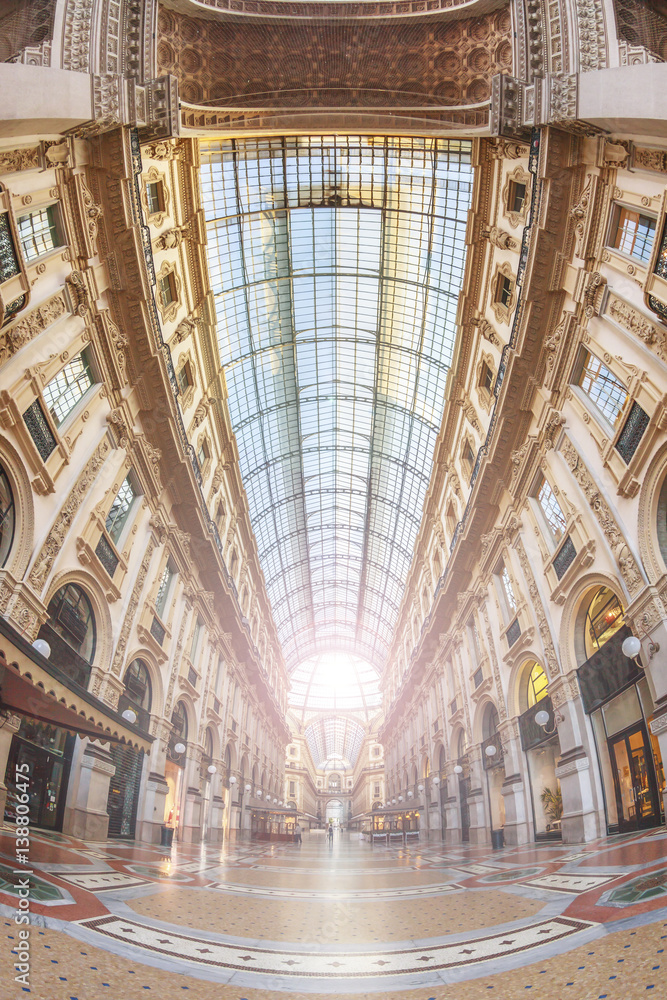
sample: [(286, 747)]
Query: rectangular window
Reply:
[(71, 383), (601, 386), (292, 787), (486, 378), (633, 233), (155, 197), (478, 677), (504, 290), (195, 640), (202, 455), (167, 286), (508, 590), (550, 508), (39, 232), (120, 509), (517, 196), (163, 590), (184, 378), (40, 429)]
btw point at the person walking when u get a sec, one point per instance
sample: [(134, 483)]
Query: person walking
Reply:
[(297, 834), (330, 833)]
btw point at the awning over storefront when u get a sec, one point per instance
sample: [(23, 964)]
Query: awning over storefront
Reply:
[(33, 687), (396, 810)]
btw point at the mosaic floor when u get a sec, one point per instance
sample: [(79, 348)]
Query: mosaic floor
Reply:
[(427, 922)]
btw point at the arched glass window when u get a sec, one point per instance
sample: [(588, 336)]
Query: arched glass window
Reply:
[(334, 781), (208, 745), (228, 759), (443, 758), (461, 751), (71, 616), (138, 685), (537, 685), (179, 721), (604, 617), (490, 722), (7, 517)]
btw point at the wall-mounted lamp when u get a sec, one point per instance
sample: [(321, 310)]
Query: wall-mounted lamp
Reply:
[(420, 788), (247, 788), (632, 647), (410, 794), (232, 779), (129, 715), (42, 647), (436, 779), (258, 793), (400, 798), (179, 747), (542, 719)]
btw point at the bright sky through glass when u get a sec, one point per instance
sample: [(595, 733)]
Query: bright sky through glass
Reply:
[(336, 265)]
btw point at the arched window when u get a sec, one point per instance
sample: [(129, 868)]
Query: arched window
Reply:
[(490, 722), (604, 617), (71, 627), (334, 781), (228, 759), (179, 722), (537, 685), (7, 517), (137, 695), (461, 748), (443, 759)]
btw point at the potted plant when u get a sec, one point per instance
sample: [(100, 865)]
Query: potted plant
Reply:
[(552, 803)]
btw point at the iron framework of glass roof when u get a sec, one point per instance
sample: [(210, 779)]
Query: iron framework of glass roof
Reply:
[(336, 265), (335, 682), (335, 740)]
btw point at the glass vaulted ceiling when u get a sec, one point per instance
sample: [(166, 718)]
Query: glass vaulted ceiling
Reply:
[(336, 265)]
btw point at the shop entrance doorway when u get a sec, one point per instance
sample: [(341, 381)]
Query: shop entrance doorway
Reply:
[(634, 780), (41, 754)]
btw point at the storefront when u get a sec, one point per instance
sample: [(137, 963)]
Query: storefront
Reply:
[(42, 754), (616, 696), (124, 790), (272, 824)]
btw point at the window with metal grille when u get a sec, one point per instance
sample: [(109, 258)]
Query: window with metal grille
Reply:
[(478, 677), (9, 262), (39, 232), (550, 507), (157, 631), (40, 429), (513, 632), (632, 433), (192, 676), (106, 555), (633, 233), (564, 557), (120, 509), (70, 385), (601, 386)]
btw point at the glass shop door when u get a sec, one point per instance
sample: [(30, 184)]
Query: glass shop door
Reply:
[(634, 779)]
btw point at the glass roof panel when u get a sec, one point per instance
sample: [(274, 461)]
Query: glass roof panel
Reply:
[(336, 265)]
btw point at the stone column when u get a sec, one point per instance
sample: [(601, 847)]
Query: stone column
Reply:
[(10, 725), (86, 814), (518, 824), (149, 828), (192, 798), (451, 804), (480, 828)]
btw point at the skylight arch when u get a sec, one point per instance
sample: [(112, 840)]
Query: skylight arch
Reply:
[(336, 265)]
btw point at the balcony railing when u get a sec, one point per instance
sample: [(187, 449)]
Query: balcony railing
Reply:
[(532, 734)]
